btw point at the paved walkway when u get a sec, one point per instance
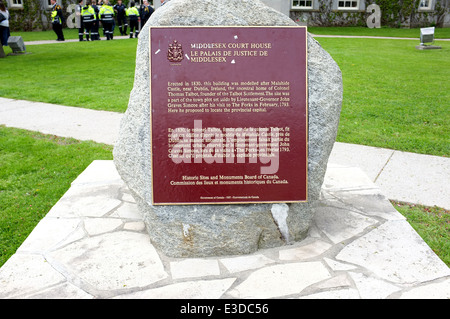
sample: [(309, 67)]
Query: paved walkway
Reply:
[(117, 37), (314, 35), (93, 244), (409, 177)]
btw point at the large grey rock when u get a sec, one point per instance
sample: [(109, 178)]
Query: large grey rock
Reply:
[(212, 230)]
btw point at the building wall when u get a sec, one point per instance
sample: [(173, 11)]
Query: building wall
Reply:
[(283, 6), (394, 13)]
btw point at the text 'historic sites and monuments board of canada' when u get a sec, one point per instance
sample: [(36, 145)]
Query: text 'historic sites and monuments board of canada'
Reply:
[(228, 114)]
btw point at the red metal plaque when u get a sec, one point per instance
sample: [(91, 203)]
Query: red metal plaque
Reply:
[(228, 114)]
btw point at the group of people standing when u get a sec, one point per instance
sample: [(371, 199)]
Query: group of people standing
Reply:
[(89, 16)]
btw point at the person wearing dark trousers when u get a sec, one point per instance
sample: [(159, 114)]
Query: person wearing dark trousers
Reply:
[(96, 23), (107, 18), (146, 11), (121, 15), (79, 19), (57, 20), (133, 16), (4, 25), (88, 18)]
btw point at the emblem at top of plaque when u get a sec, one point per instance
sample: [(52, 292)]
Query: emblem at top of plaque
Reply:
[(175, 52)]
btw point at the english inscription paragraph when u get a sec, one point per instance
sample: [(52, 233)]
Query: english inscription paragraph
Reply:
[(227, 96)]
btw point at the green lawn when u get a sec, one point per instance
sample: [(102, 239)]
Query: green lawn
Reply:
[(440, 33), (395, 96), (35, 171), (95, 75)]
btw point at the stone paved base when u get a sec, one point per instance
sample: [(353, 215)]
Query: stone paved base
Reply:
[(93, 244)]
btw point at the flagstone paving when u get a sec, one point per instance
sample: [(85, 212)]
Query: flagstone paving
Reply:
[(93, 244)]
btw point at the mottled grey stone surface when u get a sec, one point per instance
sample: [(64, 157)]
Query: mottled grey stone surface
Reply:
[(213, 230)]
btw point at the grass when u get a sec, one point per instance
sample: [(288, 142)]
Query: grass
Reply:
[(50, 34), (35, 171), (395, 96), (97, 75), (432, 224), (440, 33)]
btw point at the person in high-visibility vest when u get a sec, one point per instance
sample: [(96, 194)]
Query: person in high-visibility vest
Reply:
[(107, 18), (57, 20), (88, 17), (133, 16)]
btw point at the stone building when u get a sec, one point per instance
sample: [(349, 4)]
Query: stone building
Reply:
[(394, 13), (34, 14)]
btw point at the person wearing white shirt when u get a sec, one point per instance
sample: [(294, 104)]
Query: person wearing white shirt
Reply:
[(4, 24)]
